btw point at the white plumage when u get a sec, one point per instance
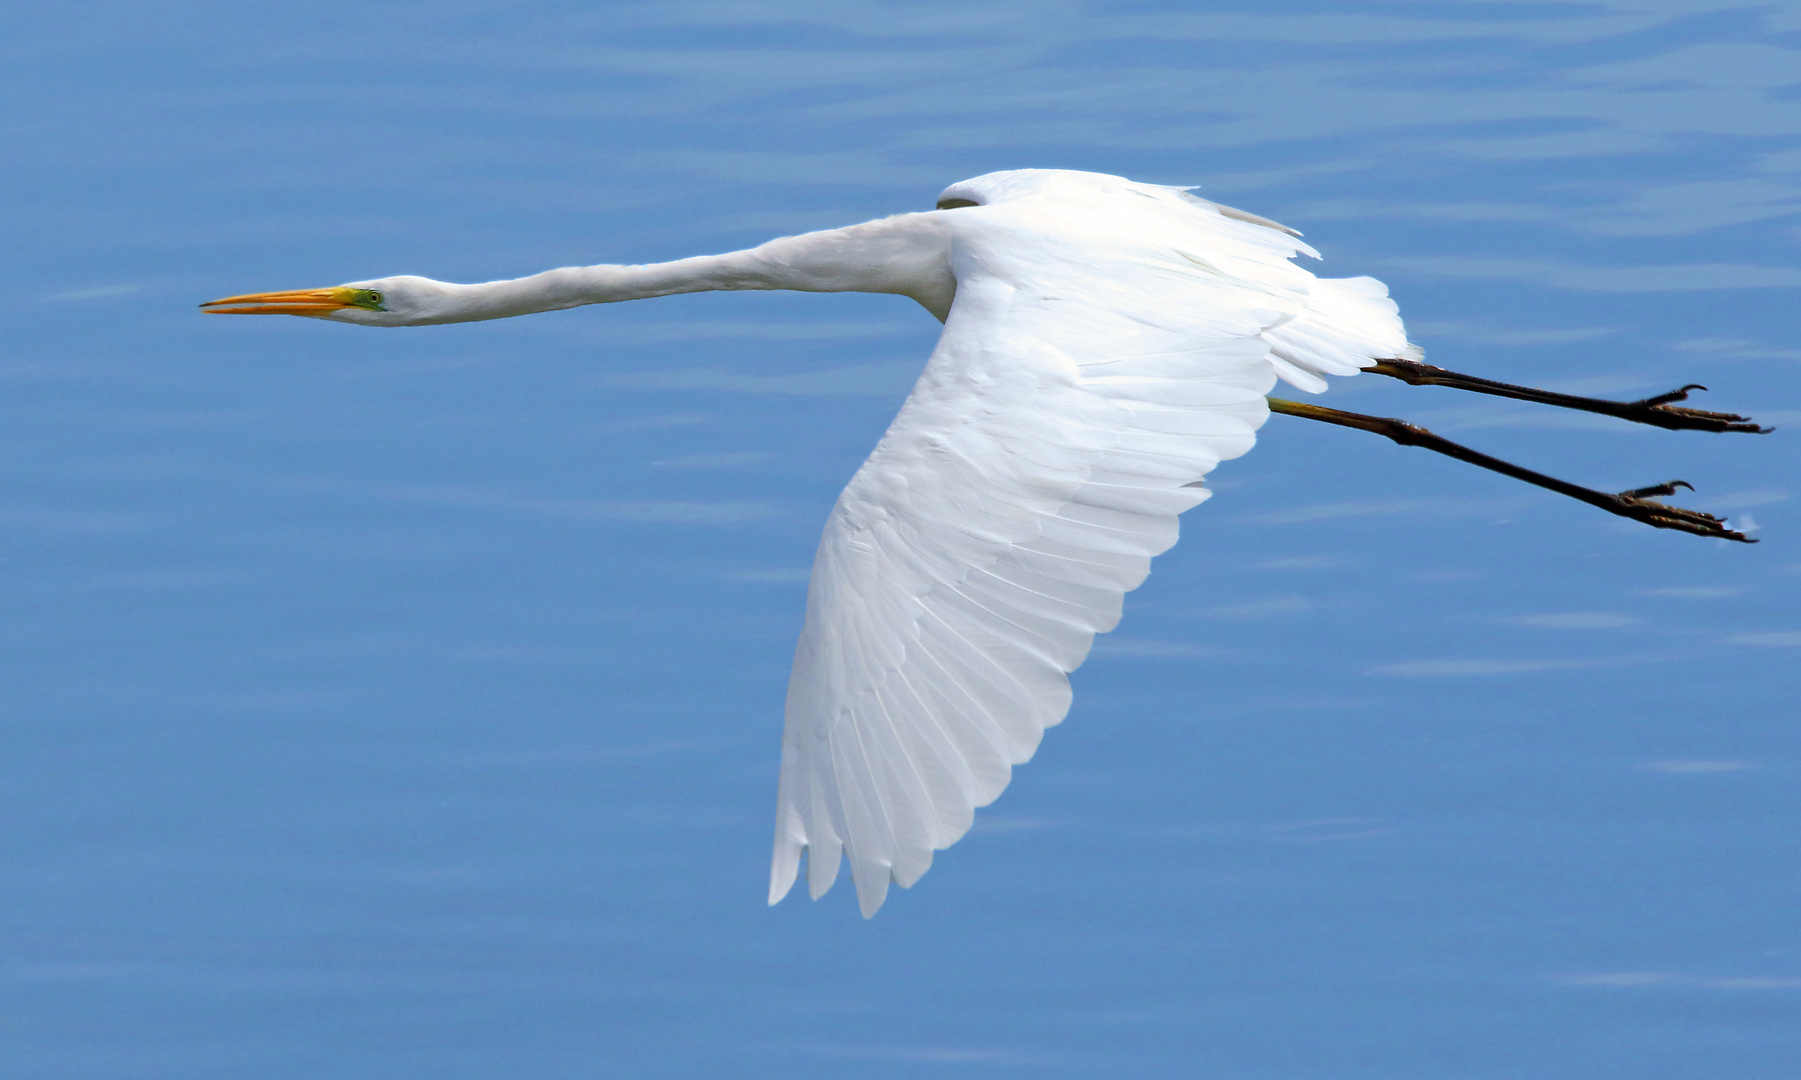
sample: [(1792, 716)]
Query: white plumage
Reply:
[(1106, 344), (1110, 343)]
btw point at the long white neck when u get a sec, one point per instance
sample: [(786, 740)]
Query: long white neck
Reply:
[(908, 254)]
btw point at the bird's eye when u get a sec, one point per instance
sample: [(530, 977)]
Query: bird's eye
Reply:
[(954, 204), (374, 296)]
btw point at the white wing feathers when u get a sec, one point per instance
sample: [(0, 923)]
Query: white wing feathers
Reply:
[(1093, 368), (1348, 323)]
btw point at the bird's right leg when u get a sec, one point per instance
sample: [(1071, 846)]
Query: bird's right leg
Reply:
[(1657, 411), (1637, 504)]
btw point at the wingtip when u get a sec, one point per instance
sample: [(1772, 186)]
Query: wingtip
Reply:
[(870, 901), (784, 868), (822, 867), (872, 881)]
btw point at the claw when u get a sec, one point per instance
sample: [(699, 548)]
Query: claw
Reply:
[(1637, 505), (1657, 411), (1673, 395), (1668, 487)]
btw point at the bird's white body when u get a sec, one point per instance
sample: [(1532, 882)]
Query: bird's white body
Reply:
[(1106, 344)]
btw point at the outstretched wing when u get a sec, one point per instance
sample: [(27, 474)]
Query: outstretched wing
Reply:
[(1096, 364)]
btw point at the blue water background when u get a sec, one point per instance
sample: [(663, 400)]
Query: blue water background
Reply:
[(405, 704)]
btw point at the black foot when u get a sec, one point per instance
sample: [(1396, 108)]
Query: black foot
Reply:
[(1655, 411), (1637, 504)]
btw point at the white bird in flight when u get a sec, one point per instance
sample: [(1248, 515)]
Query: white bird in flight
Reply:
[(1106, 343)]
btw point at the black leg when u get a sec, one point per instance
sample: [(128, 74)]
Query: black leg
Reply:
[(1653, 410), (1636, 504)]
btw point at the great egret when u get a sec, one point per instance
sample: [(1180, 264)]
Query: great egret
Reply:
[(1106, 343)]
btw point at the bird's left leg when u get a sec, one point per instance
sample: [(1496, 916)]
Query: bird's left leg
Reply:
[(1637, 504), (1658, 411)]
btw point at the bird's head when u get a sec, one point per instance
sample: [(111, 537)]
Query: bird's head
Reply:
[(392, 301)]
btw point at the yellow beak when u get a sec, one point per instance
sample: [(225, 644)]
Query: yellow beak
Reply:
[(313, 302)]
